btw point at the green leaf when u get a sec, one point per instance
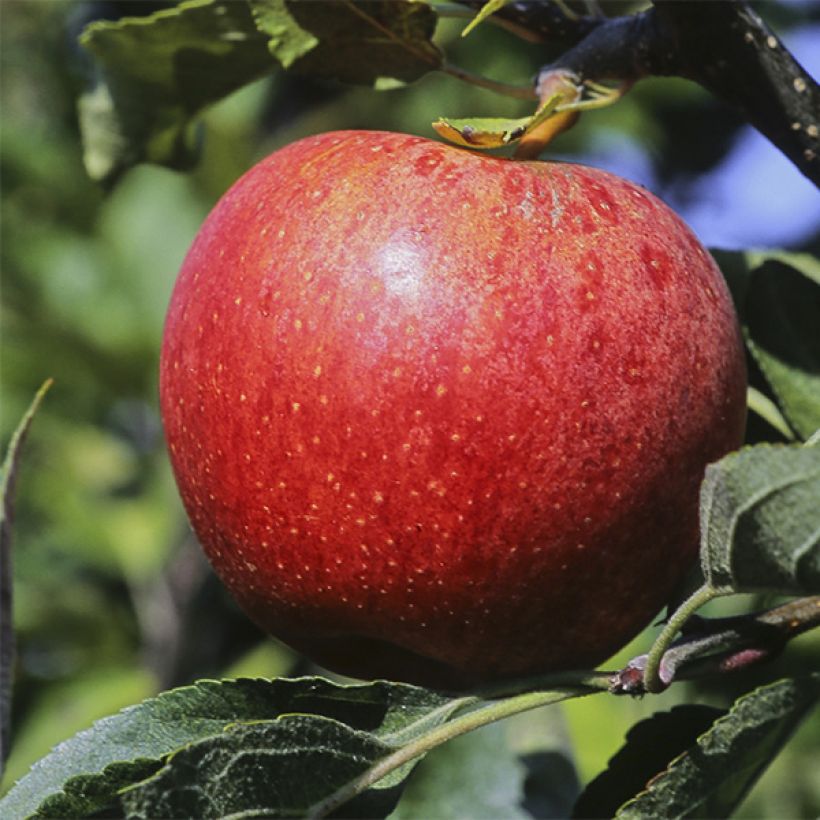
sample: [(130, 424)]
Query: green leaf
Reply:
[(288, 40), (782, 317), (760, 520), (314, 766), (84, 774), (712, 777), (7, 481), (517, 768), (494, 132), (777, 296), (758, 402), (482, 132), (72, 704), (362, 42), (270, 769), (649, 748), (154, 74), (474, 776), (738, 266)]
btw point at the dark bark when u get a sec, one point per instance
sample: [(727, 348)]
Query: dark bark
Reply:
[(726, 48), (722, 45), (717, 645)]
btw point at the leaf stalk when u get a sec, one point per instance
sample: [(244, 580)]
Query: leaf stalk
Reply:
[(584, 684), (652, 672)]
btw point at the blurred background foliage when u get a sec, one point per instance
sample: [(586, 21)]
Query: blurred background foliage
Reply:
[(113, 600)]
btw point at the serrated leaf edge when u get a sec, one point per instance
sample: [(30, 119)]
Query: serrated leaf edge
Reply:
[(212, 687), (99, 26), (206, 684), (676, 762)]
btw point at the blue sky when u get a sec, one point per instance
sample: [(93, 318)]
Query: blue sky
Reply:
[(755, 198)]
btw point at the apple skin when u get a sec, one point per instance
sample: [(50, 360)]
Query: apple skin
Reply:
[(442, 417)]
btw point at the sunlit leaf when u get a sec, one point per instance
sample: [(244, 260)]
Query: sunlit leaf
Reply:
[(493, 132), (482, 132), (288, 41), (153, 74), (366, 42)]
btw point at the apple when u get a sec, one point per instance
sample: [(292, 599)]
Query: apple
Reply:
[(442, 417)]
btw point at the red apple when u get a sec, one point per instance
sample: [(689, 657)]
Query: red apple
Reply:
[(442, 417)]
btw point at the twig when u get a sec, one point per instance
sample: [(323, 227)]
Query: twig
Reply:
[(725, 47), (718, 645)]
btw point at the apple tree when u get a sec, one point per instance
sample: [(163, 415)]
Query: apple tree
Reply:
[(705, 702)]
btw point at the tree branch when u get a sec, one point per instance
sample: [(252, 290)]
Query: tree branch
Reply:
[(726, 48), (718, 645), (723, 46)]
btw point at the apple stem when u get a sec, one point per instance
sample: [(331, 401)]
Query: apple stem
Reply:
[(564, 93), (558, 90), (574, 684), (652, 680)]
